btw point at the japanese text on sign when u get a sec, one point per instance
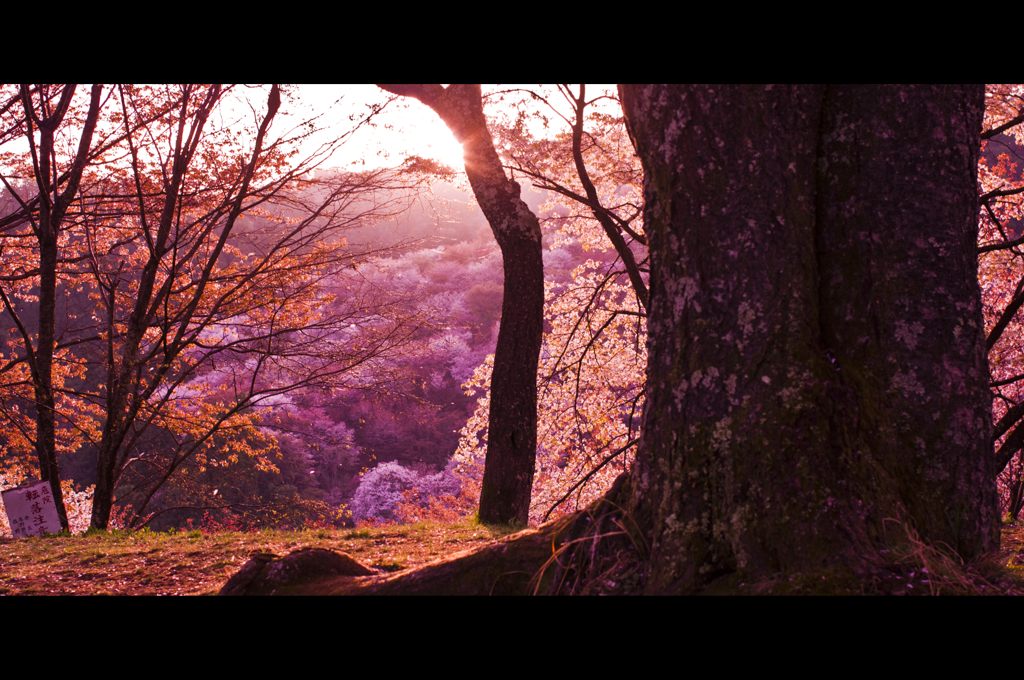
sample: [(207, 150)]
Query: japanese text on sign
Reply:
[(31, 511)]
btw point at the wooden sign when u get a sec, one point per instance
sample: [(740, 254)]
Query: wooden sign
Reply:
[(31, 511)]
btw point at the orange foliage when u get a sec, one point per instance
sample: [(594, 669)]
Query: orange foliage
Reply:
[(204, 305), (445, 509)]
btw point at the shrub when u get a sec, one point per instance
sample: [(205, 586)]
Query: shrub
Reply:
[(384, 490), (282, 514)]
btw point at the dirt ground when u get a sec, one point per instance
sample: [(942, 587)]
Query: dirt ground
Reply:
[(194, 563)]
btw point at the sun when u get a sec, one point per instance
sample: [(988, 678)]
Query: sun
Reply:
[(405, 128), (439, 145), (421, 132)]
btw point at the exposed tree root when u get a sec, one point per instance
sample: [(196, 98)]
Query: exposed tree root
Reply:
[(593, 551), (504, 567), (602, 551)]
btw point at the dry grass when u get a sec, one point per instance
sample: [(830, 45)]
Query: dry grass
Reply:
[(194, 563), (936, 569), (912, 566)]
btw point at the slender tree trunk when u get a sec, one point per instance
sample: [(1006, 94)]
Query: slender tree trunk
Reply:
[(53, 204), (817, 353), (1016, 500), (46, 409), (126, 393), (512, 422), (123, 380)]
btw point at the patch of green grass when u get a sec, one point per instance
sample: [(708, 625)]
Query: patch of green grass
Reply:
[(359, 533), (94, 557)]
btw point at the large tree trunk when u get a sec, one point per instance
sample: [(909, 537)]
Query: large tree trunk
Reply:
[(512, 422), (817, 353)]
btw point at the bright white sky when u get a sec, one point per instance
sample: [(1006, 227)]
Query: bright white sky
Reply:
[(406, 127)]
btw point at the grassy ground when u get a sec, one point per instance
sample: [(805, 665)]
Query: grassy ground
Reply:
[(1011, 551), (194, 563)]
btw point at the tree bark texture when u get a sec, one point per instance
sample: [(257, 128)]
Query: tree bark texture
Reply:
[(817, 353), (512, 422)]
